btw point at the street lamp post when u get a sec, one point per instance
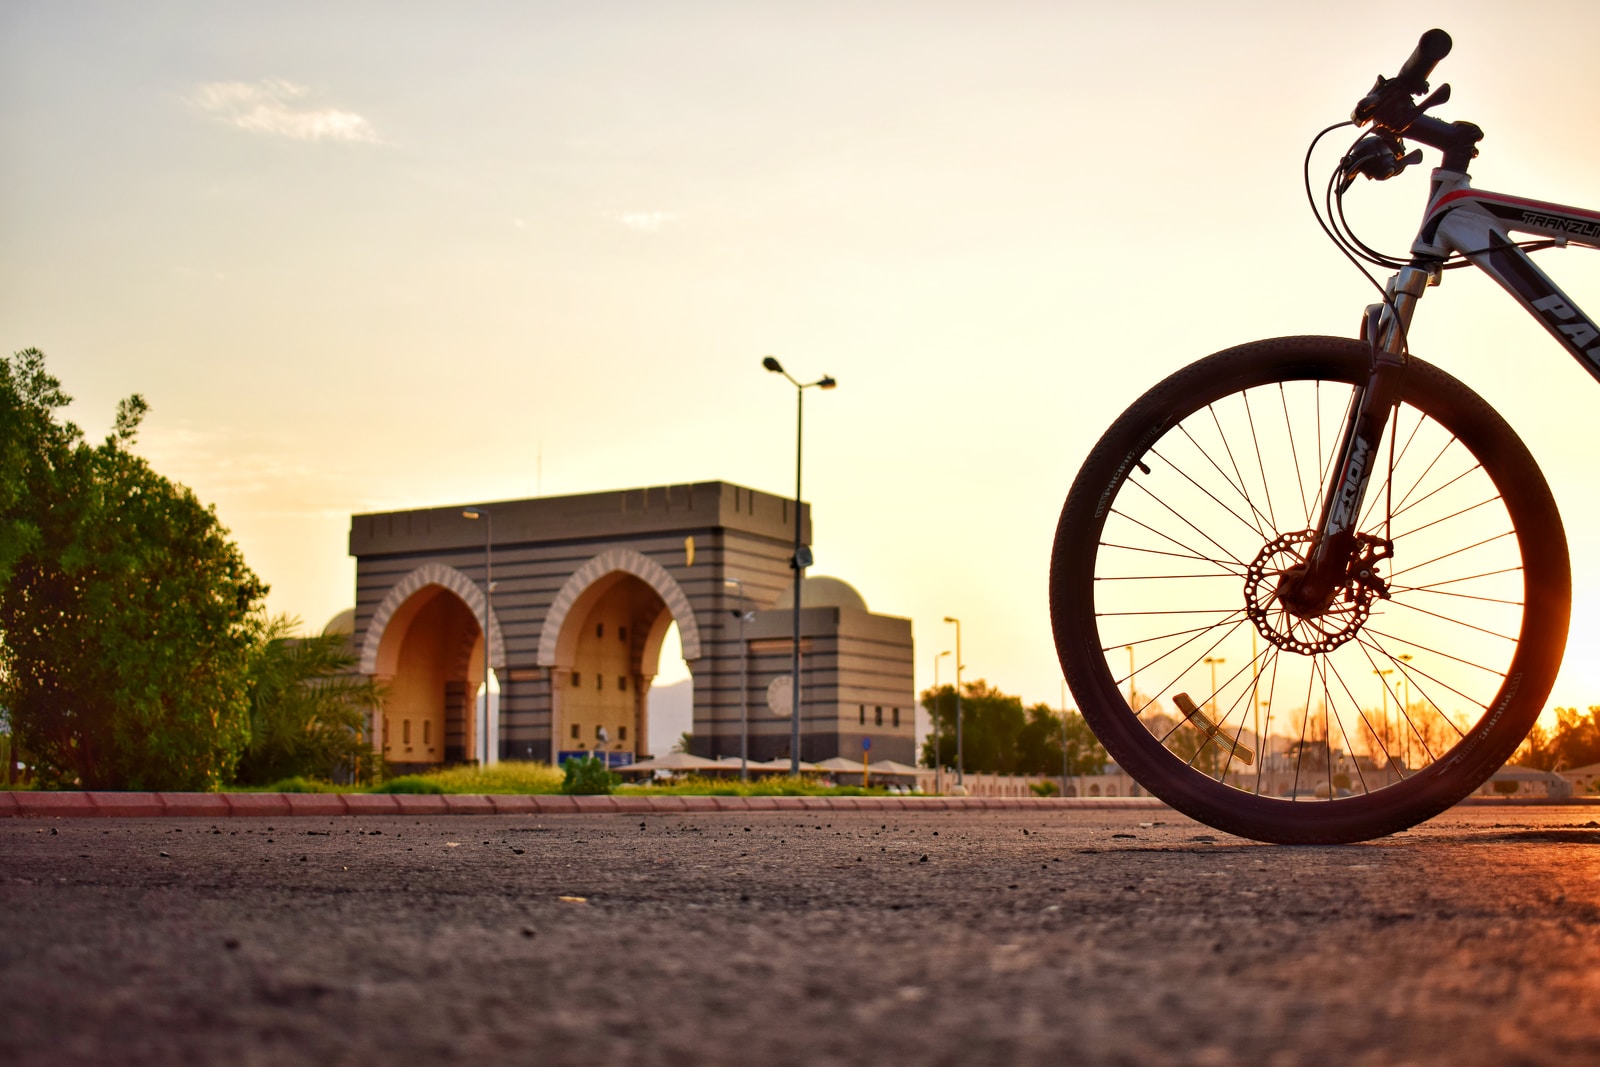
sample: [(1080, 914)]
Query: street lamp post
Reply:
[(802, 556), (744, 681), (1213, 661), (960, 752), (938, 780), (1133, 694), (1255, 690), (1383, 680), (1405, 713), (1064, 737), (488, 592)]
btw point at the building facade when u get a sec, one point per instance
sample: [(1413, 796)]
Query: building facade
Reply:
[(584, 590)]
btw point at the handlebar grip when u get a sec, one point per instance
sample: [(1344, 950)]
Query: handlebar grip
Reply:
[(1434, 46)]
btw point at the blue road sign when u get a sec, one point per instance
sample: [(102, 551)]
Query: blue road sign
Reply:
[(866, 744)]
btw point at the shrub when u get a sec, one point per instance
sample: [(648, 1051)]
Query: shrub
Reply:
[(513, 777), (588, 776), (409, 783), (300, 784), (308, 709)]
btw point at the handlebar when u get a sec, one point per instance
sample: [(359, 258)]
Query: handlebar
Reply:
[(1388, 106), (1390, 109), (1414, 74)]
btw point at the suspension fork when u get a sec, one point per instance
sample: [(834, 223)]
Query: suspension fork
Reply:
[(1335, 546)]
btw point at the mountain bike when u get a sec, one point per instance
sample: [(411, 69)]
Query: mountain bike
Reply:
[(1315, 589)]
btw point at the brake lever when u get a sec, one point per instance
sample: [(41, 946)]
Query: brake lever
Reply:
[(1389, 105), (1440, 95), (1376, 156)]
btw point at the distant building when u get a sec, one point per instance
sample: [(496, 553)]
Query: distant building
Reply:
[(585, 589), (1513, 781), (1584, 780)]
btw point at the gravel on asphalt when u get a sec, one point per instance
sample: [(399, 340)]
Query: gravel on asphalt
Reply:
[(796, 938)]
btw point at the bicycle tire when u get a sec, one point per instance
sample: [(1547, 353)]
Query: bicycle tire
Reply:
[(1173, 484)]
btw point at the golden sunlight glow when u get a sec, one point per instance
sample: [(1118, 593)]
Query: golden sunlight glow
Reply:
[(541, 248)]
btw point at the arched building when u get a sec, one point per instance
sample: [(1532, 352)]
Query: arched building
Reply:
[(584, 591)]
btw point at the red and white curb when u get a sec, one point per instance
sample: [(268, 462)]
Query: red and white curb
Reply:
[(226, 805)]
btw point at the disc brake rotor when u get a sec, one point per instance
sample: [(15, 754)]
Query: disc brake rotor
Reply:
[(1344, 616)]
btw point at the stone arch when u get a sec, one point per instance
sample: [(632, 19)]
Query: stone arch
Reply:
[(470, 592), (617, 561)]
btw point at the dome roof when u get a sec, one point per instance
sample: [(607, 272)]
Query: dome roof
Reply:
[(342, 623), (822, 592)]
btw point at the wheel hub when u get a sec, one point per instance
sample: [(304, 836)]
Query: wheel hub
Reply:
[(1272, 587)]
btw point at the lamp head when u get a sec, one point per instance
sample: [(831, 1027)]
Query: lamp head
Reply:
[(772, 365), (826, 382), (949, 619)]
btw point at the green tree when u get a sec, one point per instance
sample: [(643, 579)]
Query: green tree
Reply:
[(1047, 730), (308, 709), (126, 615), (1000, 737), (991, 721)]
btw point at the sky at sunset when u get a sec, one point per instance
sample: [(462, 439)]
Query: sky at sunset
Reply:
[(364, 256)]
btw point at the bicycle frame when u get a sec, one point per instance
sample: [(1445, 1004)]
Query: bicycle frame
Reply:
[(1475, 224)]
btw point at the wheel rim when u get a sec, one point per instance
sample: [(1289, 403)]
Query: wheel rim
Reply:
[(1371, 695)]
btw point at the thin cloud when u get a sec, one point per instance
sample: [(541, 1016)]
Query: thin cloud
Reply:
[(646, 221), (281, 109), (240, 468)]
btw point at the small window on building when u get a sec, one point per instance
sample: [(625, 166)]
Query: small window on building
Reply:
[(599, 629), (597, 730), (863, 709), (574, 731), (386, 731), (427, 731), (622, 633), (877, 716), (405, 731), (897, 716), (622, 682), (622, 733), (577, 679), (599, 681)]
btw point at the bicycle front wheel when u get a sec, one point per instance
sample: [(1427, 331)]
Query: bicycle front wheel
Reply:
[(1401, 698)]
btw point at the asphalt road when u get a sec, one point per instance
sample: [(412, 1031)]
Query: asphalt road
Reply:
[(939, 938)]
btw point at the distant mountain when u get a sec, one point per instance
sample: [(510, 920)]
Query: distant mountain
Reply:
[(671, 714)]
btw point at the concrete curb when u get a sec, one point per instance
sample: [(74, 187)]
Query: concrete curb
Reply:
[(279, 805)]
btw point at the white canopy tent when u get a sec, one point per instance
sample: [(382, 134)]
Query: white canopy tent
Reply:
[(678, 762)]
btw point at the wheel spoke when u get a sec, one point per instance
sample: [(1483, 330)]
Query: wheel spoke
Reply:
[(1252, 527), (1228, 448), (1185, 520), (1189, 553), (1450, 555), (1255, 440), (1454, 514), (1435, 492)]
